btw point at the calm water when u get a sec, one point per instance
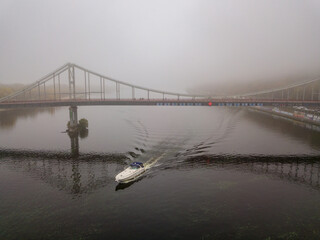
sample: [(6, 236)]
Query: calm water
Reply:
[(218, 173)]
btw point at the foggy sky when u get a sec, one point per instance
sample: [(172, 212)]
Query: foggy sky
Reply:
[(167, 44)]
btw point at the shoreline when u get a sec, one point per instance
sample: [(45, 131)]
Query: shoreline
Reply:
[(287, 116)]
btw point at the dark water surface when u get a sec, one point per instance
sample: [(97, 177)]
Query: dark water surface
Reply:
[(217, 173)]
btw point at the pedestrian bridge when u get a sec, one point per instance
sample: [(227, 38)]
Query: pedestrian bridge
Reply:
[(73, 85)]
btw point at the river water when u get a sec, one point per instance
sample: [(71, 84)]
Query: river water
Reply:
[(217, 173)]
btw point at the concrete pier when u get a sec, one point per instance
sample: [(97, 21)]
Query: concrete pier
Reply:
[(73, 112)]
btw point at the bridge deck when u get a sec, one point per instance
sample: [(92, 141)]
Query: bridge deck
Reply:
[(157, 102)]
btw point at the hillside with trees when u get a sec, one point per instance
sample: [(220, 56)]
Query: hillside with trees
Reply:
[(7, 89)]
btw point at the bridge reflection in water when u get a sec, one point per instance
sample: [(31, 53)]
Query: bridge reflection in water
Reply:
[(301, 170), (74, 140), (77, 173), (87, 173), (69, 172)]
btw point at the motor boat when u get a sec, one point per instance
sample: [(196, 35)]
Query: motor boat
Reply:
[(130, 173)]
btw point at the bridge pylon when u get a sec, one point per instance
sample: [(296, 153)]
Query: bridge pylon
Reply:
[(72, 82), (73, 113)]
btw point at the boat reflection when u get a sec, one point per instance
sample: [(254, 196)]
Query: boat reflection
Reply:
[(122, 186)]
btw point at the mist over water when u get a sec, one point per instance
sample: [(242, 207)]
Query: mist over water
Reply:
[(187, 130), (213, 173)]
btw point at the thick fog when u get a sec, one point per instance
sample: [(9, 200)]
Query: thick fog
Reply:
[(171, 45)]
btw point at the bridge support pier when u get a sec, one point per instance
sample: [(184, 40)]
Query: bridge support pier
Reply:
[(73, 113)]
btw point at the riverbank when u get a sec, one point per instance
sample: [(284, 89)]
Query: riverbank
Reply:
[(292, 114)]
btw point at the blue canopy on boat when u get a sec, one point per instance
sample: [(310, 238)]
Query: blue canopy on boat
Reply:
[(140, 164)]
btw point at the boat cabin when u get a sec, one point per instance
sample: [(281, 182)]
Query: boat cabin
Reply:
[(136, 165)]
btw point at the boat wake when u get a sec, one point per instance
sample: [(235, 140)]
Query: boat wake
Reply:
[(153, 161)]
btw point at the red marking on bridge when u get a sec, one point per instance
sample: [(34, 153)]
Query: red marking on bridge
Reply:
[(210, 103)]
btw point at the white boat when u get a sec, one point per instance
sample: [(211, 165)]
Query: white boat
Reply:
[(130, 173)]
